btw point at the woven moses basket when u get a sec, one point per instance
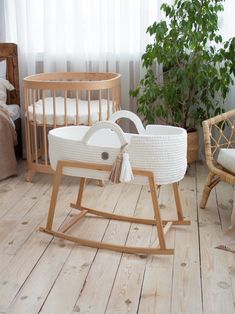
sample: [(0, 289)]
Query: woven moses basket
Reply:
[(157, 156), (161, 149)]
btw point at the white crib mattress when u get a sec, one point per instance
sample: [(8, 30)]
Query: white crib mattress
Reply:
[(71, 111)]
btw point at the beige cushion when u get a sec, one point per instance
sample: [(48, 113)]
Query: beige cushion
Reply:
[(226, 159), (4, 86)]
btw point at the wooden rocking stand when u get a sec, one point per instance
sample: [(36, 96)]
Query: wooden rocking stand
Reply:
[(162, 226)]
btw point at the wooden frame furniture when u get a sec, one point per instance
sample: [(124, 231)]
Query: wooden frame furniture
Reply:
[(8, 52), (162, 226), (156, 154), (219, 132), (67, 92)]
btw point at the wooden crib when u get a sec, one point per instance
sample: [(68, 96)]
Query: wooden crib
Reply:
[(61, 99)]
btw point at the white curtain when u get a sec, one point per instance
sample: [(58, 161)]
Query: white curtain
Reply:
[(82, 35), (90, 35)]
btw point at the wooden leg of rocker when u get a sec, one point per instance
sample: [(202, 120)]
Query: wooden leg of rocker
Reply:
[(157, 214), (177, 202), (55, 189), (166, 228), (30, 175), (80, 192), (73, 221), (144, 221), (101, 183), (181, 220), (211, 182)]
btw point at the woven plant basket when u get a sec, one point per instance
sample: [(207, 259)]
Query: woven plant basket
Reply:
[(193, 147)]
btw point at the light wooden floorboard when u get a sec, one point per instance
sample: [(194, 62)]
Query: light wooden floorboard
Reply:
[(216, 290), (24, 217), (95, 294), (186, 291), (76, 272), (128, 283), (15, 274), (39, 274), (225, 203), (156, 293), (8, 198)]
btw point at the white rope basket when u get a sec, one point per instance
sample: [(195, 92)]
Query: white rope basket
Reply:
[(160, 149)]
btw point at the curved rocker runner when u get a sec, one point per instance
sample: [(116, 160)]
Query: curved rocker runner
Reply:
[(162, 226)]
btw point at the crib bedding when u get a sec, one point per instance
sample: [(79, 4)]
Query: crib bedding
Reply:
[(70, 110), (12, 110)]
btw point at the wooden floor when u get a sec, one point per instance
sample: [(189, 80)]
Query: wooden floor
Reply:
[(51, 276)]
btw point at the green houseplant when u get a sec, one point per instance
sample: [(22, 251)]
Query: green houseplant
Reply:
[(197, 66)]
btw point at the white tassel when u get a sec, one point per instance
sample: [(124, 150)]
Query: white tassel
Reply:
[(126, 171)]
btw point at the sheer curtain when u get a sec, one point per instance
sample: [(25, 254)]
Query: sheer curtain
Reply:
[(90, 35), (82, 35)]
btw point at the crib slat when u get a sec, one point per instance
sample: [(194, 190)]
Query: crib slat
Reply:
[(65, 108), (27, 129), (35, 127), (39, 129), (113, 101), (54, 108), (44, 127), (100, 108), (89, 107), (118, 98), (77, 108), (40, 140), (108, 107), (31, 128)]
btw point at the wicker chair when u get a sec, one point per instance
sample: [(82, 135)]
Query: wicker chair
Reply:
[(219, 132)]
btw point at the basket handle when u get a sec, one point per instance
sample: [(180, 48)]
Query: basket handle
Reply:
[(106, 125), (131, 116)]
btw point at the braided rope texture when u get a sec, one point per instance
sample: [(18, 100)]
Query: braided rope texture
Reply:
[(163, 152)]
